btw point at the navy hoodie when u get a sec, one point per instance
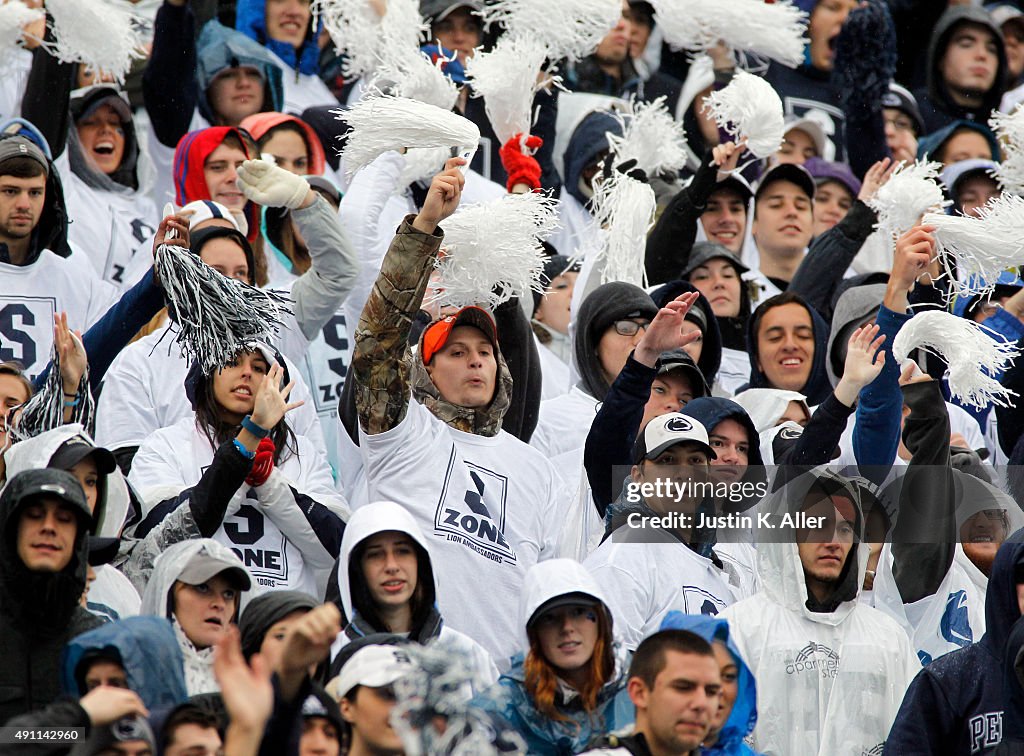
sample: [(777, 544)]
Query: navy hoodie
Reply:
[(955, 704), (818, 386), (588, 141)]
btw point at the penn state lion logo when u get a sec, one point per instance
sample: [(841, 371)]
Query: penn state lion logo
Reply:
[(679, 425)]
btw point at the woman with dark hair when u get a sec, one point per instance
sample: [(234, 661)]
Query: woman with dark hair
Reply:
[(386, 584), (560, 693), (249, 481)]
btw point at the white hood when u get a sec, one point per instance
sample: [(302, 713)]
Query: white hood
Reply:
[(170, 564), (552, 578), (36, 452), (766, 405), (377, 517), (778, 564)]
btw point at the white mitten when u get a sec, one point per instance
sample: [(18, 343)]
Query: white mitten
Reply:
[(268, 185)]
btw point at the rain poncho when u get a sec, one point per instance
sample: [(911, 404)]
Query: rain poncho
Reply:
[(509, 697), (830, 682)]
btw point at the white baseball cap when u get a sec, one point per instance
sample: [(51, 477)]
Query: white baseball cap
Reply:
[(373, 666), (200, 211), (668, 430)]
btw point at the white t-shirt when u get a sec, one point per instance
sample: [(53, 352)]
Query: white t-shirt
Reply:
[(30, 295), (564, 422), (490, 505), (269, 533), (646, 573), (301, 90), (144, 390), (734, 371)]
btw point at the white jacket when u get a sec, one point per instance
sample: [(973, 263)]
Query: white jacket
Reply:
[(828, 683)]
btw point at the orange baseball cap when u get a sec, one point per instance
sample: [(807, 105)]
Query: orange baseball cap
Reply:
[(437, 333)]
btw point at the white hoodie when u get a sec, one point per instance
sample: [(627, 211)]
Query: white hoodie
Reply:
[(269, 525), (382, 516), (828, 683)]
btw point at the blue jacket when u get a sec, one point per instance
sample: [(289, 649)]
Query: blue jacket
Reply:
[(149, 653), (546, 737), (743, 716), (251, 20), (955, 704)]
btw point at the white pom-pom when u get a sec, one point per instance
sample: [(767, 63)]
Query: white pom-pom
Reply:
[(625, 208), (982, 247), (507, 80), (652, 137), (972, 354), (773, 30), (415, 77), (14, 17), (368, 38), (1009, 127), (422, 163), (567, 28), (380, 124), (749, 107), (912, 190), (103, 35), (492, 251)]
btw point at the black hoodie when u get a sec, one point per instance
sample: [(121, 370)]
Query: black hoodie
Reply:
[(937, 106), (955, 704), (39, 611)]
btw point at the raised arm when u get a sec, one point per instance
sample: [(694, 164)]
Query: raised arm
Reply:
[(379, 360)]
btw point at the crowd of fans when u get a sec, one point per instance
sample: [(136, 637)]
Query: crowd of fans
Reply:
[(709, 514)]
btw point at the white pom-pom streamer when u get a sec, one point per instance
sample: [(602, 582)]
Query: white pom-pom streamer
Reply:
[(912, 190), (1010, 129), (381, 124), (493, 250), (215, 316), (652, 137), (625, 208), (14, 17), (749, 107), (101, 34), (367, 38), (507, 80), (415, 77), (982, 247), (973, 355), (422, 163), (773, 30), (567, 28)]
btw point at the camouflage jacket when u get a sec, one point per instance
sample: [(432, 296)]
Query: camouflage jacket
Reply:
[(385, 370)]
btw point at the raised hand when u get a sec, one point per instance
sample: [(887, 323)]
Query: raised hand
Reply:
[(71, 350), (271, 403), (105, 705), (727, 157), (665, 331), (443, 196), (875, 178), (246, 688), (269, 185), (864, 362)]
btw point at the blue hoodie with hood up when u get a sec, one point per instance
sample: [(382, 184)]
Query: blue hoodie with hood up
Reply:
[(588, 140), (955, 704), (743, 716), (149, 653), (251, 20)]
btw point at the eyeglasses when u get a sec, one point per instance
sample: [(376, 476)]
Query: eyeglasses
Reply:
[(629, 327), (900, 123)]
